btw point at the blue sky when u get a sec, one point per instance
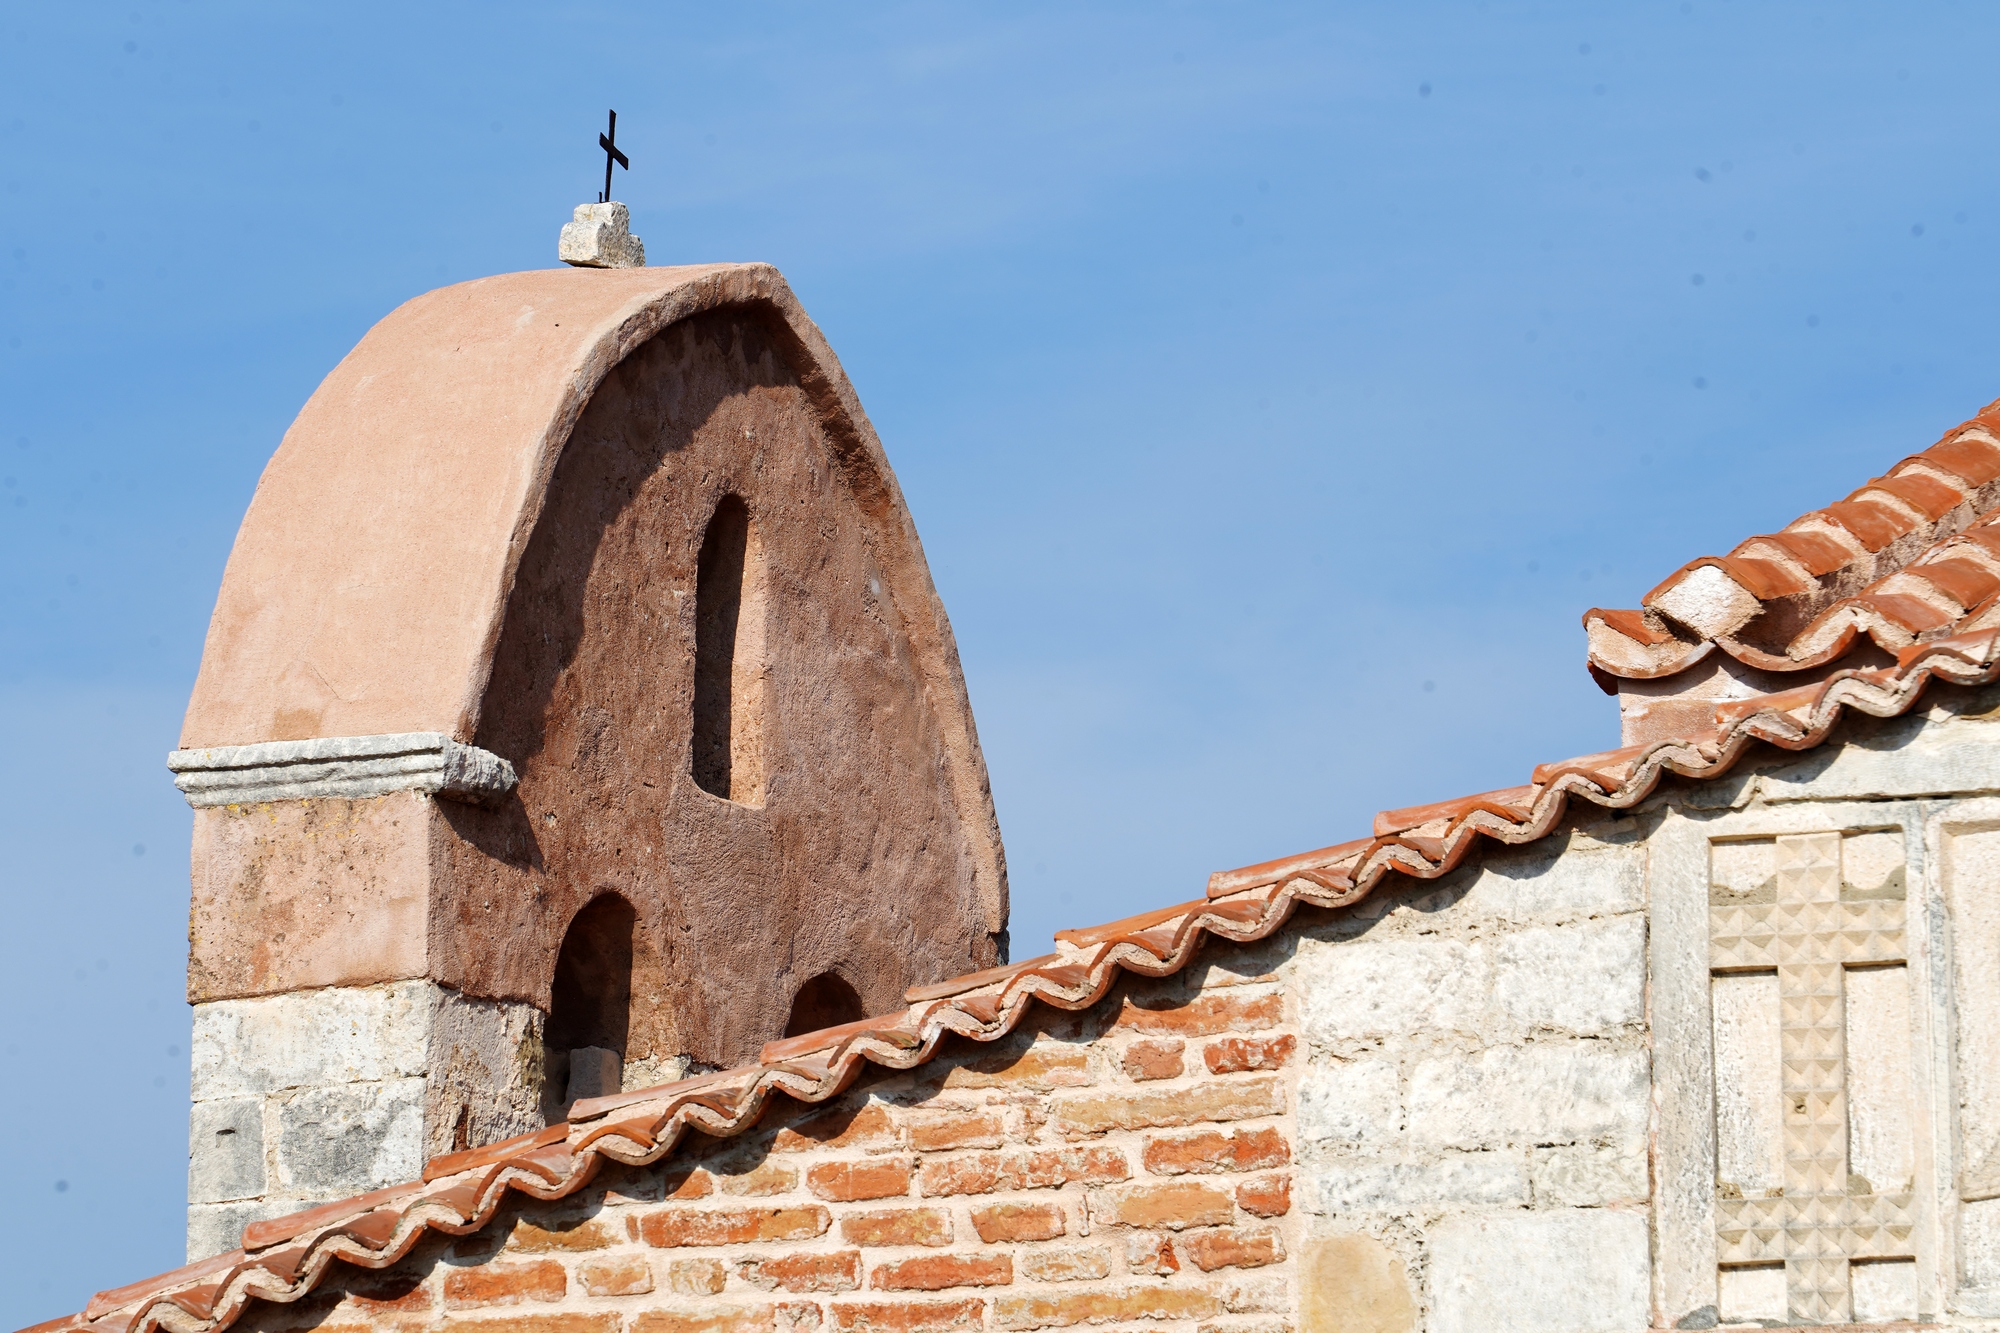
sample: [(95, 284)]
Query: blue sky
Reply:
[(1273, 385)]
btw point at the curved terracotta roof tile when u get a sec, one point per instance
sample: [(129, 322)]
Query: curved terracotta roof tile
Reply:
[(284, 1258), (1900, 560)]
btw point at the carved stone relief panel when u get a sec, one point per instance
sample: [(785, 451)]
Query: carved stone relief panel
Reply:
[(1814, 1110), (1795, 1021)]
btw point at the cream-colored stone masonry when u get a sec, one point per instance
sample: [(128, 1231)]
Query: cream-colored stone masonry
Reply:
[(318, 1095), (1731, 1057)]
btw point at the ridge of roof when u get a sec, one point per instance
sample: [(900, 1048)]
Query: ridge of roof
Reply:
[(284, 1258), (1912, 556)]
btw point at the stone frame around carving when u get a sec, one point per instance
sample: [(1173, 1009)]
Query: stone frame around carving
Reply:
[(1948, 819), (1679, 1021)]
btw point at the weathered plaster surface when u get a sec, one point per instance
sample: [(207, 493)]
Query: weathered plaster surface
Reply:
[(356, 603), (299, 895), (856, 859)]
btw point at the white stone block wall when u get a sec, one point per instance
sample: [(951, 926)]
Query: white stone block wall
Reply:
[(322, 1094), (1476, 1092)]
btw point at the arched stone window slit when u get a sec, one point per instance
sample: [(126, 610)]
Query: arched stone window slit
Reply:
[(590, 1005), (728, 758), (827, 1000)]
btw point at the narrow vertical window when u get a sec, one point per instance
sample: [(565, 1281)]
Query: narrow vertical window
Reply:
[(728, 756)]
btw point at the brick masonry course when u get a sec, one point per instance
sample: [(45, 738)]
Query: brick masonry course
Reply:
[(1130, 1163)]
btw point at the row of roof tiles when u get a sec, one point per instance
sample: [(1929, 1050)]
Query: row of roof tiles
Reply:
[(1913, 555), (286, 1257)]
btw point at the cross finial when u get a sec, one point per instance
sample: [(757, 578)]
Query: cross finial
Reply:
[(609, 143)]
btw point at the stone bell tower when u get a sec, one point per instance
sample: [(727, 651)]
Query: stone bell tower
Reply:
[(577, 712)]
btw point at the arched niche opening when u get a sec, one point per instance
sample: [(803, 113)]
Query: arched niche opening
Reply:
[(827, 1000), (590, 1007), (728, 759)]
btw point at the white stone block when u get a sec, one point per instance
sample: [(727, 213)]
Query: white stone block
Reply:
[(1586, 1175), (348, 1140), (1345, 1187), (1349, 1102), (1979, 1250), (1749, 1083), (485, 1065), (1884, 1291), (226, 1150), (1588, 978), (1753, 1294), (1573, 1271), (215, 1227), (1912, 756), (1971, 869), (1359, 989), (1881, 1079), (1545, 1093), (593, 1072), (1874, 862), (600, 236), (311, 1039), (1544, 882)]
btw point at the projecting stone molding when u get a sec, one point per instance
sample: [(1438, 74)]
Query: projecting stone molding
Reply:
[(345, 767)]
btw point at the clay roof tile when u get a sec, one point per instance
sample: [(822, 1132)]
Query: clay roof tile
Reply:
[(1873, 524), (277, 1230), (1815, 568), (1225, 882), (1634, 625), (1766, 579), (1966, 582), (1928, 495), (1513, 804), (117, 1297), (787, 1048), (972, 980), (1131, 925), (1817, 551), (1910, 613), (1974, 460), (472, 1159)]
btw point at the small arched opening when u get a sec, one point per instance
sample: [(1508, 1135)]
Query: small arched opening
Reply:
[(590, 1008), (823, 1002), (728, 759)]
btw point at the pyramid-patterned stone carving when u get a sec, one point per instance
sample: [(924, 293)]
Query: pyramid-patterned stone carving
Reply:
[(1810, 937)]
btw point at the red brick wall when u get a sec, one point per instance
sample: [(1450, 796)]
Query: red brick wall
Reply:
[(1128, 1165)]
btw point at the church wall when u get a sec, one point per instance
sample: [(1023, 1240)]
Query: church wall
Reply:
[(1726, 1058), (298, 895)]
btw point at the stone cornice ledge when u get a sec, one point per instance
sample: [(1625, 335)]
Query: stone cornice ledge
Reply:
[(341, 767)]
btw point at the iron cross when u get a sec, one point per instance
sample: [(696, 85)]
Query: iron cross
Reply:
[(609, 143)]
